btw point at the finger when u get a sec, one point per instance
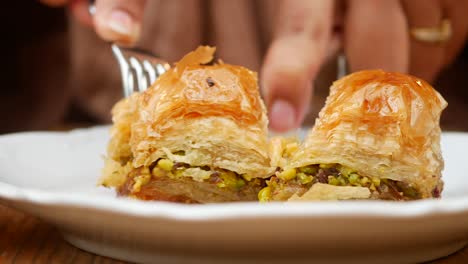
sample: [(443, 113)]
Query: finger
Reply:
[(456, 11), (119, 20), (426, 59), (54, 3), (294, 58), (80, 10), (376, 35)]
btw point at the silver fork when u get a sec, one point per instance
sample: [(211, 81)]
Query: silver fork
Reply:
[(139, 69)]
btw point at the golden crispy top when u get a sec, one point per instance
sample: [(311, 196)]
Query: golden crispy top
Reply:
[(192, 89), (375, 99)]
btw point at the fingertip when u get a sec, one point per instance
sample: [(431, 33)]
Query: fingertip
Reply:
[(288, 102), (117, 25), (119, 20), (287, 95), (282, 116)]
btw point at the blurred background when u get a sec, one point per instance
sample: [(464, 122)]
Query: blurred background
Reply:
[(46, 85)]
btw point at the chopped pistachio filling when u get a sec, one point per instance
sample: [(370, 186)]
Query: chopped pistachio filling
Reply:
[(288, 182), (265, 194), (222, 178)]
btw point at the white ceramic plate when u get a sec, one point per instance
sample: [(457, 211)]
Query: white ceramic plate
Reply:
[(53, 176)]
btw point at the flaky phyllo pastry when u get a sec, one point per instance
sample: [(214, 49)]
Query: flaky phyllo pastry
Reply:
[(378, 137), (198, 134)]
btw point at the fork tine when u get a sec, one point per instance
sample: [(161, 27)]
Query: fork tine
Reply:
[(124, 70), (342, 67), (139, 69), (150, 70), (160, 69), (141, 81), (130, 82)]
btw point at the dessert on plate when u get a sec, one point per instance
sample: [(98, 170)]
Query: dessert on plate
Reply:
[(377, 137), (197, 135)]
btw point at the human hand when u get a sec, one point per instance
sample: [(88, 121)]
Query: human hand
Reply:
[(115, 20), (372, 34)]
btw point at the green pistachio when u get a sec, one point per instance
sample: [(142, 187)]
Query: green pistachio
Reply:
[(288, 174), (333, 181), (354, 179), (346, 171), (165, 164), (247, 177), (239, 183), (304, 178), (376, 181), (342, 181), (158, 172), (265, 194), (364, 181), (310, 170), (230, 180)]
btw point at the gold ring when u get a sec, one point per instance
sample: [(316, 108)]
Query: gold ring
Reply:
[(439, 34)]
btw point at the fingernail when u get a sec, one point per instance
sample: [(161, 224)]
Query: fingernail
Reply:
[(282, 115), (121, 23)]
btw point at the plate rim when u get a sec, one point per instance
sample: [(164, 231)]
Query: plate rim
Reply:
[(223, 211)]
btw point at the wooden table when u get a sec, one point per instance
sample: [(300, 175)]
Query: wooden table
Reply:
[(26, 239)]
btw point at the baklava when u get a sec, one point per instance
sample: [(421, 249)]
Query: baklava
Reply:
[(377, 137), (197, 135)]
